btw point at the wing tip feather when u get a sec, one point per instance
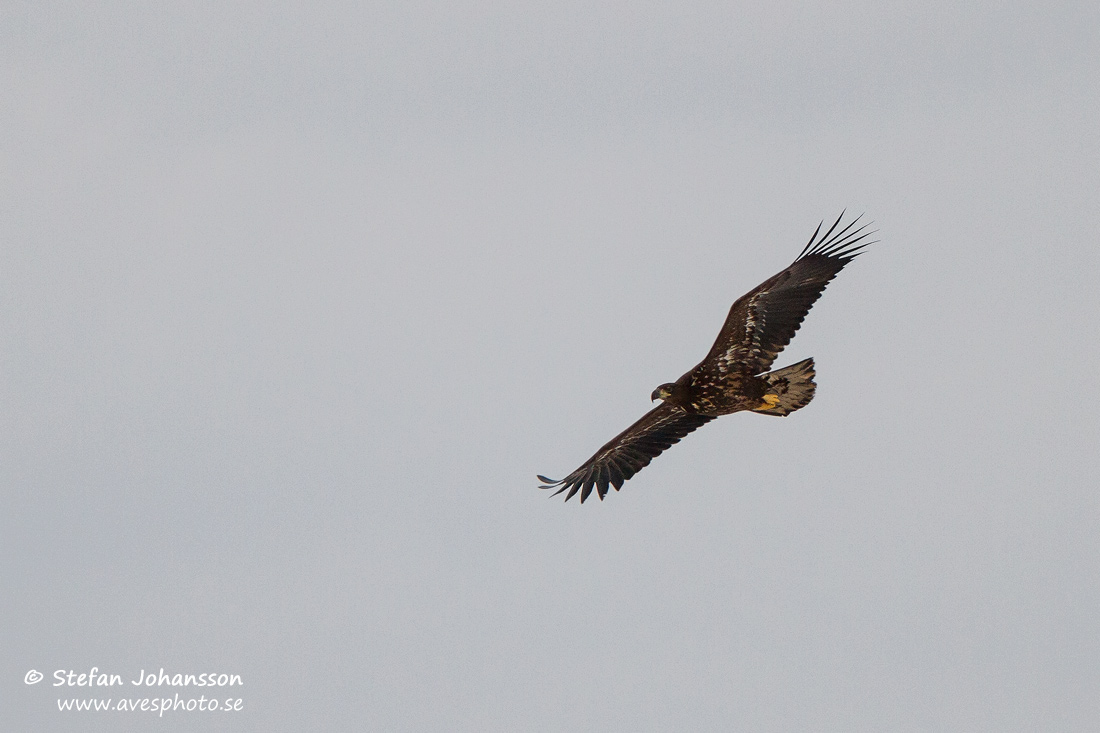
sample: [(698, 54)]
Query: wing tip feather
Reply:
[(842, 245)]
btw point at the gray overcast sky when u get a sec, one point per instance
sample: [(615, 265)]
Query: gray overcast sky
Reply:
[(297, 299)]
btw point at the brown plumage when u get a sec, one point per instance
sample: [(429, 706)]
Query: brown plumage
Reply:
[(734, 375)]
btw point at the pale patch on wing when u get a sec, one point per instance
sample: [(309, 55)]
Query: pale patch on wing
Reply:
[(751, 344)]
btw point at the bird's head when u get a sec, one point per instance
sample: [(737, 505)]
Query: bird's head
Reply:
[(665, 391)]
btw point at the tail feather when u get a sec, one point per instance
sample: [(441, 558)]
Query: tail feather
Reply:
[(794, 385)]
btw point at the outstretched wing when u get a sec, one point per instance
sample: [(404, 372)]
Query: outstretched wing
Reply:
[(628, 452), (762, 322)]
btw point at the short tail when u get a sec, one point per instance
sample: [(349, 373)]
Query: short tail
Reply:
[(793, 385)]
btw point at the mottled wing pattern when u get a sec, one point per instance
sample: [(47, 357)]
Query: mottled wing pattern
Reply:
[(762, 322), (628, 452)]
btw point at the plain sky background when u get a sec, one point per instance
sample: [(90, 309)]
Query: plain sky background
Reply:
[(297, 299)]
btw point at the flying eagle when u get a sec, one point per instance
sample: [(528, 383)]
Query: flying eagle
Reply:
[(734, 376)]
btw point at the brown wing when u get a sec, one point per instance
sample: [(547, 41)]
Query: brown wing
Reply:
[(762, 322), (628, 452)]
